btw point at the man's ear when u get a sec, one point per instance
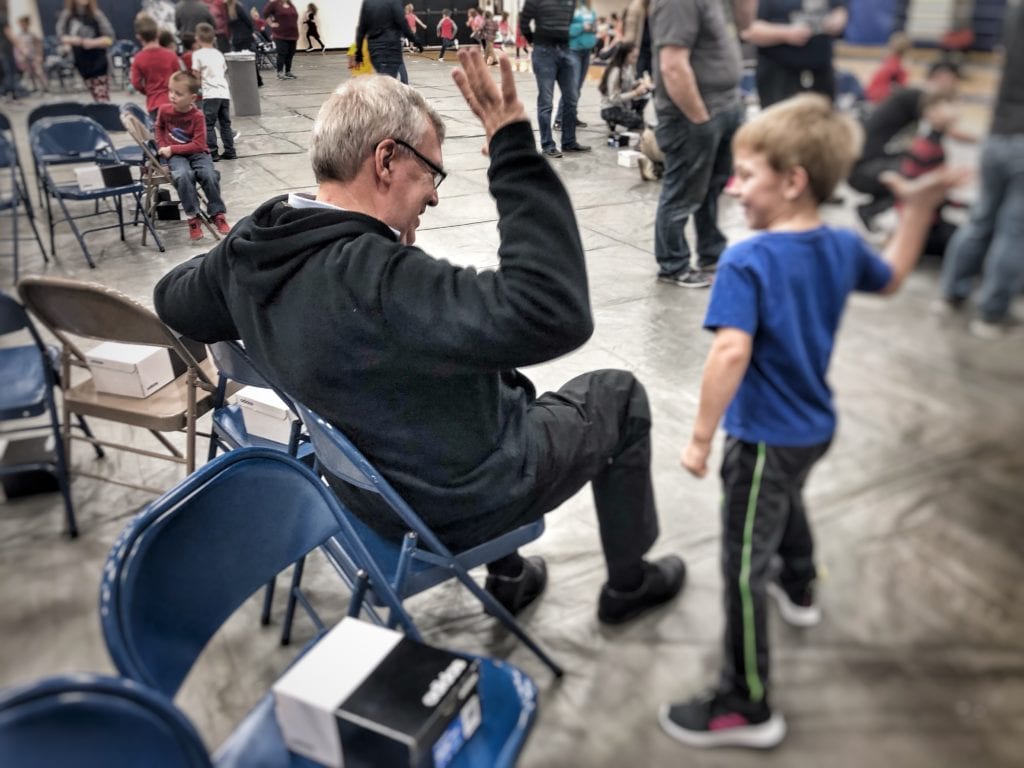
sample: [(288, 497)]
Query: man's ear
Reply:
[(383, 157)]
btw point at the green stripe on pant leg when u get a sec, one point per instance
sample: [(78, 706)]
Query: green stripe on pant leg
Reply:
[(754, 683)]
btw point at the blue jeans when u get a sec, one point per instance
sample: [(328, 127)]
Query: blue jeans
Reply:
[(990, 243), (698, 162), (583, 65), (187, 170), (553, 63)]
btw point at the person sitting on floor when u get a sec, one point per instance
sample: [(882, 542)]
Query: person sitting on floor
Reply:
[(623, 96)]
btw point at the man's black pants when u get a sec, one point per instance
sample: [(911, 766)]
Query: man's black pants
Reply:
[(763, 514)]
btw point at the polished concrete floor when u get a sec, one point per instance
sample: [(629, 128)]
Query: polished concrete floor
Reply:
[(917, 507)]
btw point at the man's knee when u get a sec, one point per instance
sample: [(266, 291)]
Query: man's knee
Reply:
[(623, 391)]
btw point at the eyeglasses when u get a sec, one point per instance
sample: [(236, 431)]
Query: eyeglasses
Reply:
[(437, 173)]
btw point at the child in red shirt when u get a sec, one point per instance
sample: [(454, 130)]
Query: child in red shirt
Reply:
[(153, 66), (446, 29), (891, 72), (181, 139)]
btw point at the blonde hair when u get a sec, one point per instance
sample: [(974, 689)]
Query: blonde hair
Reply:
[(806, 132), (205, 33)]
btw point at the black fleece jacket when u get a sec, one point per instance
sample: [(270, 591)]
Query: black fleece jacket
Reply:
[(410, 356), (551, 20)]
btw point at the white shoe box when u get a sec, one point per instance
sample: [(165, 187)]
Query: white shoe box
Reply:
[(265, 414), (370, 696), (131, 370), (629, 158), (89, 178)]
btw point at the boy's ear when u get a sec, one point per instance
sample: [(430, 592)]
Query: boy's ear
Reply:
[(797, 182)]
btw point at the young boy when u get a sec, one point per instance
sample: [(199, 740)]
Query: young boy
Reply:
[(446, 29), (209, 66), (29, 53), (775, 308), (153, 66), (181, 138)]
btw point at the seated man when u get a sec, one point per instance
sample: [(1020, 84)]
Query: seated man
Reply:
[(414, 358)]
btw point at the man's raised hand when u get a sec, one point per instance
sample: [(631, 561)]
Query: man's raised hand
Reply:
[(495, 107)]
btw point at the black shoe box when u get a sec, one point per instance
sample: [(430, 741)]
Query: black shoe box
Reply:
[(119, 175), (371, 696), (27, 482)]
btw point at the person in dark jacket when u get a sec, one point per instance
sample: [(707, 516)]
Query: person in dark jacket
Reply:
[(382, 24), (545, 25), (188, 14), (415, 359), (242, 32)]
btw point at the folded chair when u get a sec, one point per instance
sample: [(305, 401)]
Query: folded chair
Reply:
[(70, 308), (417, 563), (93, 721), (155, 173), (188, 561), (62, 141)]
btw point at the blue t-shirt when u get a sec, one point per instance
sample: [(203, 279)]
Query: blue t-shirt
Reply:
[(788, 290), (583, 29)]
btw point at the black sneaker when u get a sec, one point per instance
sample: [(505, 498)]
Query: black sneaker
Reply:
[(713, 721), (215, 156), (798, 608), (552, 152), (230, 155), (689, 278), (517, 592), (707, 265), (662, 581), (580, 124), (575, 148)]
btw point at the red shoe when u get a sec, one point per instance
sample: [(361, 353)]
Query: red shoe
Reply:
[(221, 223), (195, 228)]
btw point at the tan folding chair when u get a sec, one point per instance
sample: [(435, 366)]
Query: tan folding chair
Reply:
[(156, 174), (90, 310)]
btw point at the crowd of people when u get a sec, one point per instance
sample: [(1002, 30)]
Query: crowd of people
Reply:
[(432, 388)]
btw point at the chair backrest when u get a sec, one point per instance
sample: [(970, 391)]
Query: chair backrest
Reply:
[(106, 114), (72, 139), (140, 114), (231, 361), (193, 556), (56, 109), (13, 318), (92, 721), (8, 159), (95, 311)]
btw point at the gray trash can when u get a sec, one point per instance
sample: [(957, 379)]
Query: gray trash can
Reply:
[(245, 96)]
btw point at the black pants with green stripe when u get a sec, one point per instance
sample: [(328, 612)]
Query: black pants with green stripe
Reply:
[(763, 515)]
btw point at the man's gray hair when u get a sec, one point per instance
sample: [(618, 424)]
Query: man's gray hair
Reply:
[(359, 115)]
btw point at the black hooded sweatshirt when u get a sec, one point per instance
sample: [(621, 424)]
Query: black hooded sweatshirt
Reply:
[(413, 358)]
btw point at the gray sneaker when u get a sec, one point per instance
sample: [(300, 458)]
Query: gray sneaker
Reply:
[(689, 278)]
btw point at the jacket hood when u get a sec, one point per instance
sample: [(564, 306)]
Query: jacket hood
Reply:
[(268, 247)]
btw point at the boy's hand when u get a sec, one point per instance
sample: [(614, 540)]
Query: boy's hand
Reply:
[(927, 191), (164, 151), (695, 457), (494, 107)]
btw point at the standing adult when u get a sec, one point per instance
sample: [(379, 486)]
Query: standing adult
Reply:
[(382, 25), (219, 12), (636, 30), (582, 39), (242, 32), (432, 395), (794, 47), (553, 62), (283, 19), (8, 67), (188, 14), (86, 29), (990, 243), (699, 109), (162, 12)]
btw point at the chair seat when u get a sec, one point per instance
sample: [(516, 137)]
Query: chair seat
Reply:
[(23, 393), (423, 575), (508, 700), (230, 426), (74, 192), (163, 411)]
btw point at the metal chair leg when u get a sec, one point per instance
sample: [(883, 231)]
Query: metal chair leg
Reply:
[(289, 611)]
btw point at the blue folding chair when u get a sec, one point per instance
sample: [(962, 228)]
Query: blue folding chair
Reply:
[(93, 721), (109, 117), (417, 563), (27, 379), (53, 109), (192, 557), (14, 196), (60, 141), (228, 432)]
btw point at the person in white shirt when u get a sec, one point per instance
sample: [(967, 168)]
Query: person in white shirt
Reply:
[(210, 67)]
